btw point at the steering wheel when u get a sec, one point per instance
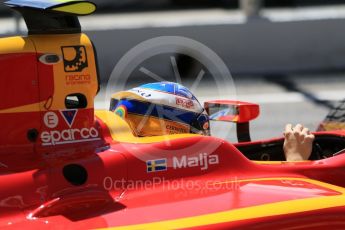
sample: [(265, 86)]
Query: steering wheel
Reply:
[(316, 153)]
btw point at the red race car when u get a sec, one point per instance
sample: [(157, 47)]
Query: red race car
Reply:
[(65, 165)]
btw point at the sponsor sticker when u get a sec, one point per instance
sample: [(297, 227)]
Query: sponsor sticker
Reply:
[(51, 120), (69, 136), (185, 103), (74, 58), (176, 129), (121, 111), (78, 79), (66, 136), (206, 125), (69, 116), (141, 92)]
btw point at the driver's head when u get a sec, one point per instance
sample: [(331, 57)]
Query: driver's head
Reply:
[(160, 109)]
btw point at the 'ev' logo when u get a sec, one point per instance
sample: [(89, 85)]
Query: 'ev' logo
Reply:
[(74, 58)]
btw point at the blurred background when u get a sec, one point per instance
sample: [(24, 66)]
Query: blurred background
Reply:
[(286, 55)]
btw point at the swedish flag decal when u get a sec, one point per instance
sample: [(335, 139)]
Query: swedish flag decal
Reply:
[(156, 165)]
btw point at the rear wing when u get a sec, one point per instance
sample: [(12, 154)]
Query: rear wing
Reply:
[(77, 8), (52, 16)]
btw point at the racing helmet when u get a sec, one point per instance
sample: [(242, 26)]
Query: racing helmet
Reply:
[(161, 108)]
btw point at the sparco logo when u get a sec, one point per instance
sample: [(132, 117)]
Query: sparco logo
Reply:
[(203, 161), (68, 136)]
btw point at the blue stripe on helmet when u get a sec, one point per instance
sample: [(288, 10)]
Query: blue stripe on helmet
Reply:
[(167, 87), (170, 87)]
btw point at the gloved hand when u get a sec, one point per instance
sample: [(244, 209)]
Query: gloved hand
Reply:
[(298, 143)]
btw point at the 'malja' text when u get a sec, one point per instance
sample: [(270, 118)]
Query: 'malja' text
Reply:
[(203, 161)]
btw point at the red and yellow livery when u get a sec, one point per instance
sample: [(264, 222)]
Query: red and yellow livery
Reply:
[(64, 165)]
